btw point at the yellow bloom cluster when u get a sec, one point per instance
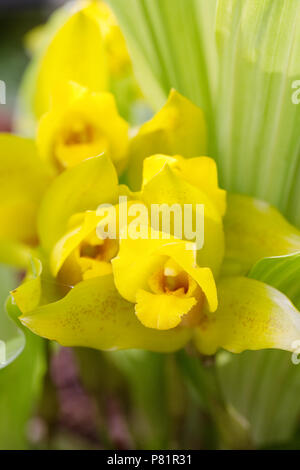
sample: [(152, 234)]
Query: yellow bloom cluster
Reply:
[(156, 292), (153, 292)]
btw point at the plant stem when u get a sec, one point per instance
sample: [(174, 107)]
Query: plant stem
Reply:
[(233, 430)]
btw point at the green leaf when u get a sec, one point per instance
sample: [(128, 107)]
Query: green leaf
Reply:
[(237, 59), (12, 339), (20, 386), (282, 272), (162, 37), (257, 125), (233, 430), (264, 386), (146, 375), (21, 373)]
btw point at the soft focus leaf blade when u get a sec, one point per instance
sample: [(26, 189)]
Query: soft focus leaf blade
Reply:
[(237, 59), (20, 380), (164, 35), (12, 339)]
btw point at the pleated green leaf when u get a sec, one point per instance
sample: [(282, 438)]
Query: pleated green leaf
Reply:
[(282, 272), (237, 59), (256, 123), (171, 45)]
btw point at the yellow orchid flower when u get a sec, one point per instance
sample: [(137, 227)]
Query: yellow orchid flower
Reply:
[(251, 315), (118, 58), (171, 281), (82, 253), (76, 52), (60, 228), (200, 172), (94, 315), (161, 295), (98, 184), (172, 185), (82, 124), (81, 42), (177, 129), (113, 39), (165, 283), (82, 187)]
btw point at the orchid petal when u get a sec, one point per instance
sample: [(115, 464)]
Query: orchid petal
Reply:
[(251, 315), (23, 180), (255, 230), (94, 315), (75, 53), (168, 188), (85, 186), (177, 129)]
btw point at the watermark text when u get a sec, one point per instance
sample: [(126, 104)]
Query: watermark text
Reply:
[(2, 92), (135, 220)]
